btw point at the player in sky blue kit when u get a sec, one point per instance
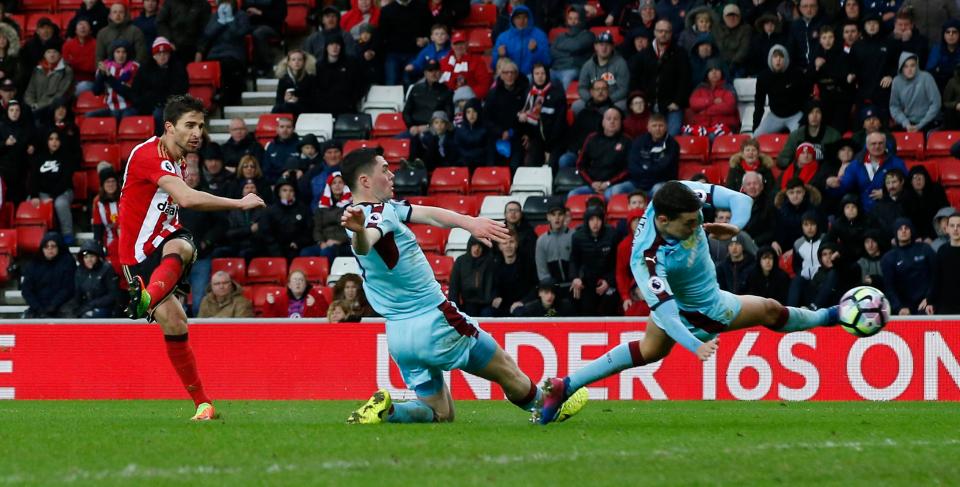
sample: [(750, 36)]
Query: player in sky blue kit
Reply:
[(426, 334), (671, 262)]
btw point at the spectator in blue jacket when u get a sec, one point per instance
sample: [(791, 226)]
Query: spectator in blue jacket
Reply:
[(278, 150), (945, 55), (865, 176), (436, 50), (523, 43), (47, 280), (654, 157), (908, 271)]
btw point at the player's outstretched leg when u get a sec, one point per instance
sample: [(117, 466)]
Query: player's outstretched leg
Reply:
[(174, 323), (785, 319), (144, 297)]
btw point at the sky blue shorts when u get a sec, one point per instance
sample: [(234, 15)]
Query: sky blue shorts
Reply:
[(440, 339), (706, 322)]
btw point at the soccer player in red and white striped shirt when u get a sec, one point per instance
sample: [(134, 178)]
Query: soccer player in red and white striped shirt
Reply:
[(152, 242)]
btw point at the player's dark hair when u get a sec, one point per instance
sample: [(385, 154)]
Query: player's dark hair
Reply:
[(674, 198), (179, 105), (355, 163)]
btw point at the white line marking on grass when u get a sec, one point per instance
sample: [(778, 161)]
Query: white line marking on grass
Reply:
[(134, 471)]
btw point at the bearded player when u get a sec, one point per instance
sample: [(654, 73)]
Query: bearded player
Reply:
[(671, 262), (153, 244)]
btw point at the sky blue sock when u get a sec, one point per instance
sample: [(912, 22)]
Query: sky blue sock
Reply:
[(529, 403), (800, 319), (410, 412), (616, 359)]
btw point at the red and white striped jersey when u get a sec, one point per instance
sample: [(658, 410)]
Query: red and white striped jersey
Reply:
[(106, 214), (147, 213)]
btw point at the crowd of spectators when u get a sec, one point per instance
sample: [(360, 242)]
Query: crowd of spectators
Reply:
[(836, 207)]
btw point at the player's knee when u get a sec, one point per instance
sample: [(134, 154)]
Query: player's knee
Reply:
[(443, 415), (771, 310)]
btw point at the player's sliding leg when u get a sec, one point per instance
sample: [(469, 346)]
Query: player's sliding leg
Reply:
[(144, 297), (173, 321), (433, 404), (755, 311), (654, 346), (489, 361)]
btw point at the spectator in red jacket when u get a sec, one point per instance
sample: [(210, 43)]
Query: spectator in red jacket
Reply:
[(460, 68), (80, 52), (713, 105), (301, 300), (633, 303)]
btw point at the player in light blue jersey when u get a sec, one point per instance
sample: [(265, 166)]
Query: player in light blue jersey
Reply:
[(426, 333), (671, 262)]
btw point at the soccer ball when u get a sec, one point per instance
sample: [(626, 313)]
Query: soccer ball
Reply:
[(864, 311)]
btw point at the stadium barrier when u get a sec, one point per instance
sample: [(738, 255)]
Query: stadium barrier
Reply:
[(914, 359)]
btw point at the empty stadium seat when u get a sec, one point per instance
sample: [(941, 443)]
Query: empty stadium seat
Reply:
[(422, 200), (6, 215), (481, 15), (567, 178), (341, 266), (80, 188), (138, 128), (535, 208), (746, 89), (617, 207), (479, 40), (204, 94), (464, 204), (694, 148), (29, 215), (457, 241), (267, 124), (573, 93), (408, 182), (8, 241), (720, 169), (909, 145), (450, 180), (319, 124), (234, 266), (354, 144), (429, 237), (388, 125), (267, 270), (37, 5), (950, 173), (578, 205), (541, 229), (204, 73), (395, 150), (29, 237), (94, 153), (939, 143), (953, 196), (490, 180), (533, 180), (352, 126), (88, 102), (296, 21), (315, 268), (442, 266), (99, 129), (492, 206), (688, 170), (786, 264), (725, 146), (388, 97), (772, 144)]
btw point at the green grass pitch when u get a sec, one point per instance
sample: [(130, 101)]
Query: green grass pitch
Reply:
[(609, 443)]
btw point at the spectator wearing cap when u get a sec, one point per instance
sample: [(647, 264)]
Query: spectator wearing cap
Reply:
[(94, 12), (437, 146), (182, 22), (552, 252), (104, 219), (606, 64), (945, 55), (805, 167), (572, 48), (80, 53), (460, 68), (223, 41), (870, 122), (662, 71), (51, 79), (914, 97), (329, 28), (654, 157), (733, 272), (803, 34), (404, 28), (784, 89), (96, 284), (341, 81), (603, 162), (278, 150), (593, 261), (47, 34), (523, 42), (9, 52), (114, 82), (471, 137), (147, 20), (865, 175), (633, 303), (426, 96), (208, 228), (642, 13), (543, 119), (812, 131), (874, 66), (307, 157), (733, 38), (767, 33), (369, 48), (287, 221), (162, 77), (461, 96), (832, 76), (908, 272), (699, 20), (515, 277), (313, 184), (120, 27), (267, 18), (240, 143), (329, 236), (504, 102), (766, 279), (792, 204), (436, 50)]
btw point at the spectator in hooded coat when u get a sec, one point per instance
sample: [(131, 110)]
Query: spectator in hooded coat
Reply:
[(523, 43), (922, 200), (914, 96), (571, 49), (341, 82), (472, 138), (471, 280), (287, 221), (908, 272), (543, 118), (766, 279), (96, 286), (945, 55), (44, 277), (297, 87), (95, 13)]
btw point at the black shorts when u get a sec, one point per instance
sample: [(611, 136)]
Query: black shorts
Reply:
[(145, 269)]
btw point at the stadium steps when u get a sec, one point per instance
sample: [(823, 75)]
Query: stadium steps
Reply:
[(250, 111), (257, 98), (267, 85)]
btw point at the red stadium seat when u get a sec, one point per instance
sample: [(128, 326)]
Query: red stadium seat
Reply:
[(325, 291), (88, 102), (204, 73), (615, 32), (450, 180), (688, 170), (125, 148), (388, 125), (573, 93), (720, 170), (296, 22), (786, 264), (481, 15), (430, 238), (37, 5), (950, 173), (99, 129), (259, 296), (267, 270), (422, 200), (29, 237), (490, 181), (909, 145), (267, 124), (354, 144), (69, 6), (462, 204), (8, 241), (442, 266), (93, 181), (694, 148), (138, 128), (394, 150), (939, 143), (772, 144), (479, 40), (31, 216), (726, 146), (4, 268), (541, 229), (953, 196), (94, 153), (6, 215), (204, 94), (617, 207), (234, 266), (578, 205), (80, 189), (316, 269), (556, 32)]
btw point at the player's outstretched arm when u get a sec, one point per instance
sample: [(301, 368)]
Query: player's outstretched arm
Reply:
[(188, 197), (667, 317), (484, 229), (364, 238)]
